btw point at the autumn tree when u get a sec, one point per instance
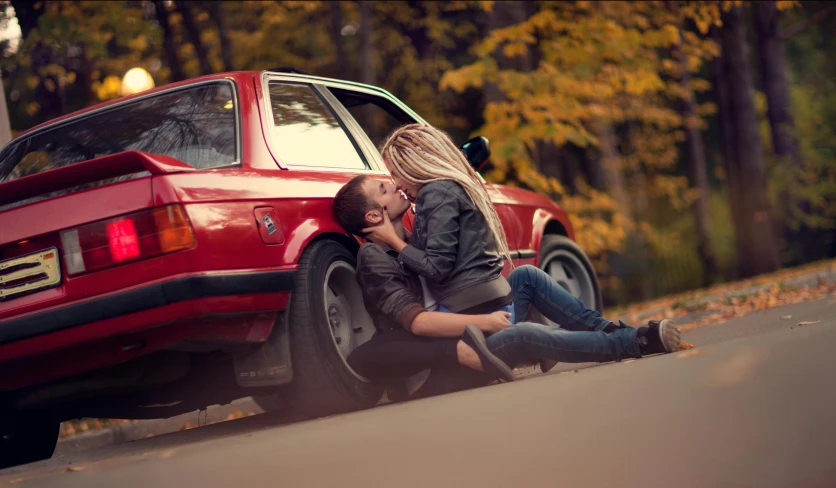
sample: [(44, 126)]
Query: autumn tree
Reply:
[(757, 249)]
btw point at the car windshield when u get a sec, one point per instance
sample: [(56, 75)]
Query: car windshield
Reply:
[(195, 125)]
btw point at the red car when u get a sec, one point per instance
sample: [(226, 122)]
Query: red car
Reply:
[(176, 249)]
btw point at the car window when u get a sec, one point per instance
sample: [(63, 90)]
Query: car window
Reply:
[(378, 117), (306, 132), (196, 125)]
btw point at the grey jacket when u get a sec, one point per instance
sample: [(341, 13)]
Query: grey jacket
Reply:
[(453, 249)]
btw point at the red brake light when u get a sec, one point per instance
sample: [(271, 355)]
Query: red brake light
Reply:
[(129, 238), (124, 243)]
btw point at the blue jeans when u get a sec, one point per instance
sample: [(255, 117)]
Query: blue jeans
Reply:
[(526, 341), (533, 286), (580, 337)]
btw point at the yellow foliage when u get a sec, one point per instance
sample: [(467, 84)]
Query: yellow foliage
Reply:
[(610, 63), (108, 89)]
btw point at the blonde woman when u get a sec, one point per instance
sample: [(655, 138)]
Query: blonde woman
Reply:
[(458, 243)]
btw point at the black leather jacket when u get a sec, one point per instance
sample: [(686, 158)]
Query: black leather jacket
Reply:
[(454, 250), (392, 295)]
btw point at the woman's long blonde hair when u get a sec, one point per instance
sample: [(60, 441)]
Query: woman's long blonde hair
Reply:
[(420, 154)]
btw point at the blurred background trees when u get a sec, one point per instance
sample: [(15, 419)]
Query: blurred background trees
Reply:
[(691, 142)]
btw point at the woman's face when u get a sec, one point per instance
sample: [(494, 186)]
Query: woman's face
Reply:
[(409, 189)]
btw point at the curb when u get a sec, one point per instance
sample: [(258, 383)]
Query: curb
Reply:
[(811, 279), (122, 433)]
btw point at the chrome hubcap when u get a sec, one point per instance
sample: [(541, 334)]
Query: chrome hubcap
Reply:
[(569, 272), (348, 320)]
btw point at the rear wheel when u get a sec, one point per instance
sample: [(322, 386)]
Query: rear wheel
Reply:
[(571, 268), (328, 321), (30, 439)]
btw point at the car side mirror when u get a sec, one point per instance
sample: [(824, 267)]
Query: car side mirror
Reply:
[(477, 151)]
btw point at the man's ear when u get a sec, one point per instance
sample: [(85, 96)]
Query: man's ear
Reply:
[(374, 216)]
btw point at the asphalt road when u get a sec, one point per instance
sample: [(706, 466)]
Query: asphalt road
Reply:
[(752, 405)]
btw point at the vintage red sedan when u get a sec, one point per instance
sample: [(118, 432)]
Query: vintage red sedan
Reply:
[(176, 249)]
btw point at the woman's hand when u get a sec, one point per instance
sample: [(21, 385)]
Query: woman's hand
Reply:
[(494, 322), (385, 234)]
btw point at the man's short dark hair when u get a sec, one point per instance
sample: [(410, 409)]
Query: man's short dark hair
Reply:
[(351, 205)]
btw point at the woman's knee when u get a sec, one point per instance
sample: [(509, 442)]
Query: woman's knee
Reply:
[(522, 274)]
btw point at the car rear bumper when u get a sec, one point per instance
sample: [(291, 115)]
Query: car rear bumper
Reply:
[(192, 287)]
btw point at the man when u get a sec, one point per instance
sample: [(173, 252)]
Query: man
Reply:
[(412, 338)]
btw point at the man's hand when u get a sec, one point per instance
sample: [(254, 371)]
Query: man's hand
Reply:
[(493, 322), (385, 234)]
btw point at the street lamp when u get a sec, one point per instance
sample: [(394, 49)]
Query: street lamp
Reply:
[(136, 80)]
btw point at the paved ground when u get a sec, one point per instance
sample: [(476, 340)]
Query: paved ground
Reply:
[(751, 405)]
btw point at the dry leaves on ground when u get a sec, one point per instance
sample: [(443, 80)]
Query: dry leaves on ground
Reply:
[(802, 324), (725, 289), (730, 307)]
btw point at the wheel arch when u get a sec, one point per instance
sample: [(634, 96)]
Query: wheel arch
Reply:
[(347, 241), (546, 222), (311, 231)]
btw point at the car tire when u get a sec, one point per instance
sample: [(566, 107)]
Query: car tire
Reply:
[(567, 264), (319, 320), (32, 439)]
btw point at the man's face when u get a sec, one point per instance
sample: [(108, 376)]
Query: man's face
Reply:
[(387, 196), (410, 189)]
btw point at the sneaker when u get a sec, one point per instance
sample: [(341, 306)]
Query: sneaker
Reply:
[(660, 336), (612, 327)]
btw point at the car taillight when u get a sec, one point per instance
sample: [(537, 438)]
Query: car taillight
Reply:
[(128, 238)]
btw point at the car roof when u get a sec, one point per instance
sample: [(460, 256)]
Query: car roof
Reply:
[(237, 76)]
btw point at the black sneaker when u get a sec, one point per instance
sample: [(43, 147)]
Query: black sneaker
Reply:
[(612, 327), (660, 336)]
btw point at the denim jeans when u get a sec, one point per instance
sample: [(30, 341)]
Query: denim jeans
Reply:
[(580, 337), (532, 286), (526, 341)]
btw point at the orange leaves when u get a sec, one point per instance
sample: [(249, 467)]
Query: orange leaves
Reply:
[(736, 306)]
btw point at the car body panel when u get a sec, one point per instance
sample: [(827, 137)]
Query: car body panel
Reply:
[(220, 204)]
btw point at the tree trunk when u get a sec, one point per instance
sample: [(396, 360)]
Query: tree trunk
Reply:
[(27, 14), (757, 250), (340, 67), (773, 61), (634, 263), (194, 35), (168, 42), (366, 63), (226, 46), (697, 173), (5, 124), (773, 64)]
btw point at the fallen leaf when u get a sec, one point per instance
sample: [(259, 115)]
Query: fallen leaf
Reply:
[(168, 453), (628, 361), (16, 480), (684, 345), (71, 469), (801, 324)]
